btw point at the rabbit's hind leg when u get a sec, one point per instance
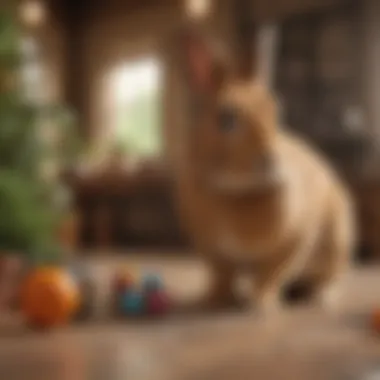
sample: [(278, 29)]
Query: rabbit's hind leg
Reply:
[(284, 267), (333, 258)]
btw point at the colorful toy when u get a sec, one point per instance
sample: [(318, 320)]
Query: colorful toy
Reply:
[(145, 298), (132, 302), (122, 283), (49, 297)]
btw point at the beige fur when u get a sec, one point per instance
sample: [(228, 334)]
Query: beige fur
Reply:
[(291, 221)]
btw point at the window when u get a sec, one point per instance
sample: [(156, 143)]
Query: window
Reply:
[(319, 72), (319, 78), (136, 108)]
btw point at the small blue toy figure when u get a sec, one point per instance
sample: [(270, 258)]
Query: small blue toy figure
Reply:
[(152, 282), (132, 302)]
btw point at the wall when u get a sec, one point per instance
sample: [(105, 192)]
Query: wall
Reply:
[(109, 35), (108, 41)]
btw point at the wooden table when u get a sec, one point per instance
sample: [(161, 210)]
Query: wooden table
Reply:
[(302, 343)]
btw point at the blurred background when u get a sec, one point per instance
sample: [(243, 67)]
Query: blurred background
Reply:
[(90, 132), (108, 62)]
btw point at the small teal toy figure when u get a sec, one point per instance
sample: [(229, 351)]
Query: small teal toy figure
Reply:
[(132, 302)]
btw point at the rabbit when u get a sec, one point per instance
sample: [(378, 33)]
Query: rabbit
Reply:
[(252, 195)]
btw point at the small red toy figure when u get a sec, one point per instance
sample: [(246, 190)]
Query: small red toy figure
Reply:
[(157, 303)]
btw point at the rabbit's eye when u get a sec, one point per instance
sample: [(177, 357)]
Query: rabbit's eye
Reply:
[(227, 120)]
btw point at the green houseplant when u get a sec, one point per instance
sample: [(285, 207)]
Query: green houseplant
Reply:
[(29, 204)]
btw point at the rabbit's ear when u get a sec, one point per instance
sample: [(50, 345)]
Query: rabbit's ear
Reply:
[(202, 61)]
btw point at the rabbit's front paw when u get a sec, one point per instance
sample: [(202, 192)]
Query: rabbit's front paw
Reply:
[(267, 305)]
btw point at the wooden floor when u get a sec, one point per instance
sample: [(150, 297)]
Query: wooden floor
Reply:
[(302, 343)]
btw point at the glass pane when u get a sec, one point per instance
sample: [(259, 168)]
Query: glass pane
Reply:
[(138, 107)]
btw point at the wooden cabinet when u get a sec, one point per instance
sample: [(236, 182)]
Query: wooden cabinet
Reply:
[(69, 229), (138, 211), (123, 210)]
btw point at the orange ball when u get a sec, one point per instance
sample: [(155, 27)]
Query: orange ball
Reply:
[(49, 297)]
